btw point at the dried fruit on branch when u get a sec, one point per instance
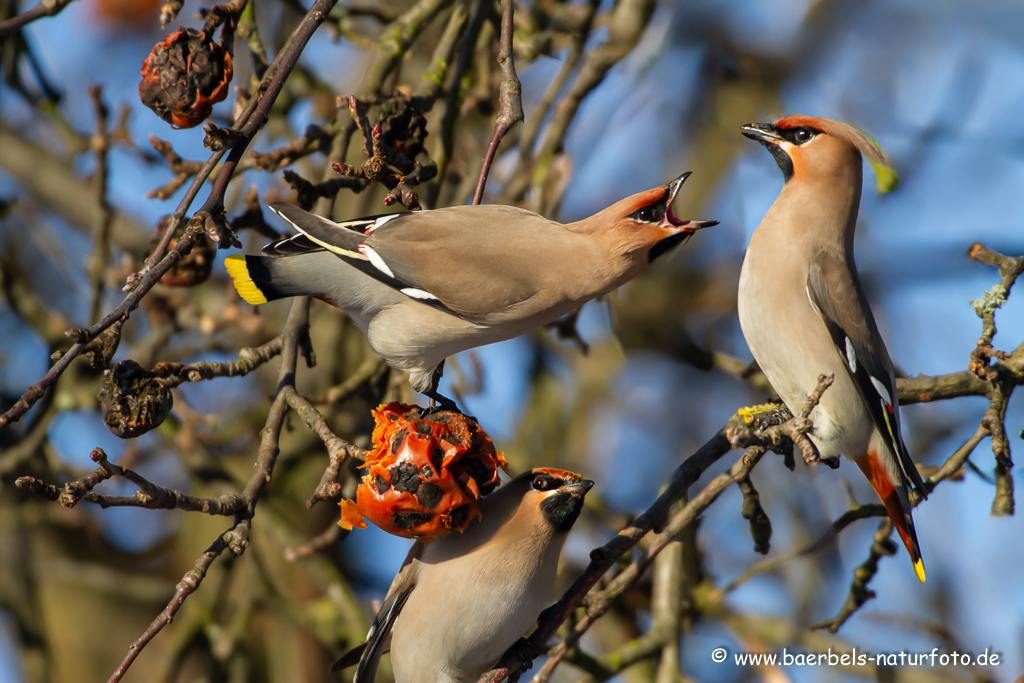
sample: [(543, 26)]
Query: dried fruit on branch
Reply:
[(133, 401), (184, 76), (426, 472)]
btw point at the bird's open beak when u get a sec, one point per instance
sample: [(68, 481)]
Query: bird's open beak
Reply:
[(670, 221), (765, 133)]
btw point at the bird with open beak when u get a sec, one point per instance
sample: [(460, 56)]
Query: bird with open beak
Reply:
[(425, 285), (804, 313), (458, 603)]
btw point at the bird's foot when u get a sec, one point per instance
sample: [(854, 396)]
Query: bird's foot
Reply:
[(832, 461), (440, 403)]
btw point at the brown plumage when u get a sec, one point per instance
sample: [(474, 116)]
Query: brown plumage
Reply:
[(425, 285), (803, 310), (459, 602)]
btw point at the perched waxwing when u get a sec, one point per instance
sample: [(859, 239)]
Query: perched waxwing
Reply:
[(804, 313), (458, 603), (425, 285)]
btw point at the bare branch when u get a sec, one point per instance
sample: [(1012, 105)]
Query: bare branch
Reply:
[(150, 496), (255, 116), (510, 98), (46, 8)]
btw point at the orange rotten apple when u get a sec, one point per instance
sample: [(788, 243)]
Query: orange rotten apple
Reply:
[(184, 76), (426, 473)]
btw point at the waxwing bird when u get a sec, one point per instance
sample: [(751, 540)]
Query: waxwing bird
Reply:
[(459, 603), (804, 313), (425, 285)]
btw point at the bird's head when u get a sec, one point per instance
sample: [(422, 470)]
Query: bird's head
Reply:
[(811, 147), (550, 497), (643, 224)]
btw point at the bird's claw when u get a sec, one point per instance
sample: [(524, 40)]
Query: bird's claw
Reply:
[(439, 402), (832, 461), (521, 649)]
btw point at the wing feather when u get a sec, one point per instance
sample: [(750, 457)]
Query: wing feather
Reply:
[(378, 640), (842, 305), (446, 258)]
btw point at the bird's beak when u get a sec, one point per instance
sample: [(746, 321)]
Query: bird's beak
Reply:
[(765, 133), (579, 488), (670, 222)]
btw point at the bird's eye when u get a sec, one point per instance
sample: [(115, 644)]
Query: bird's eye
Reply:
[(645, 215), (540, 483), (802, 135)]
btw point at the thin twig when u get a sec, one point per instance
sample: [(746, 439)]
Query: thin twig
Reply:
[(99, 262), (188, 585), (327, 538), (236, 539), (150, 496), (258, 110), (46, 8), (174, 374), (510, 98)]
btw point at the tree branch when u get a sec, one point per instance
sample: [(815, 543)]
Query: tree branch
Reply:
[(46, 8), (510, 98)]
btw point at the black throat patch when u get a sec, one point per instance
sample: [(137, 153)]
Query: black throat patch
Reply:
[(561, 510), (781, 158), (667, 244)]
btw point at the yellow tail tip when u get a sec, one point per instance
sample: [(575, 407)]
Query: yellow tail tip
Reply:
[(919, 569), (239, 272)]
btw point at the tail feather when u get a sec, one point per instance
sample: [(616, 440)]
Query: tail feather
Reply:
[(248, 289), (260, 279), (897, 505)]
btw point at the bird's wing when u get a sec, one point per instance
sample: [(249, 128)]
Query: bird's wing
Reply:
[(345, 241), (317, 233), (835, 292), (462, 260), (475, 262), (350, 658), (378, 640)]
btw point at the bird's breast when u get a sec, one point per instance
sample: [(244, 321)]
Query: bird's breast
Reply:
[(466, 611), (791, 345)]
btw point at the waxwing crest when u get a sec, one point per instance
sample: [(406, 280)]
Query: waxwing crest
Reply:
[(844, 131)]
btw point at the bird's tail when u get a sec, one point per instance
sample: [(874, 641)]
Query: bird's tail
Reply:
[(897, 504), (260, 279)]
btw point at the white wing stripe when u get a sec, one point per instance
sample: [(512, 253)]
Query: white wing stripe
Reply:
[(851, 356), (417, 293), (381, 221), (882, 391), (376, 260)]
